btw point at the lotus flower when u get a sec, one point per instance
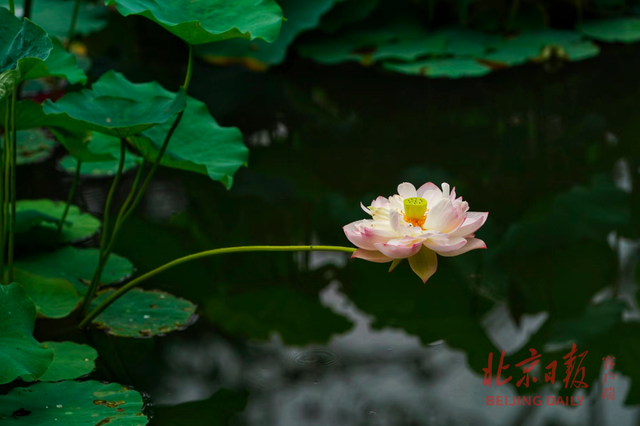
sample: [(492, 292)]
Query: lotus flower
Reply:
[(416, 225)]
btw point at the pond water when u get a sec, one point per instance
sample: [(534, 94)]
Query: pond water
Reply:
[(321, 339)]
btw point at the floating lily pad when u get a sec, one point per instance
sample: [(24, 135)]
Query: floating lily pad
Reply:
[(54, 16), (33, 146), (60, 63), (117, 107), (20, 353), (76, 265), (541, 45), (452, 68), (142, 313), (258, 54), (88, 403), (23, 44), (70, 361), (53, 297), (625, 30), (27, 219), (96, 168), (199, 145), (207, 22), (78, 226)]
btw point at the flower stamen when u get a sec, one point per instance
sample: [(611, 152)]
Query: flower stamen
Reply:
[(415, 211)]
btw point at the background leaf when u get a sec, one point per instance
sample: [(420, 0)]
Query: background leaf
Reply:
[(78, 226), (70, 361), (53, 297), (215, 20), (117, 107), (20, 353), (199, 145), (142, 313), (75, 265), (84, 403)]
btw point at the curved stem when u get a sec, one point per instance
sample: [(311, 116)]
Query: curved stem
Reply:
[(12, 226), (243, 249), (72, 194), (105, 229), (187, 78), (125, 205), (74, 21)]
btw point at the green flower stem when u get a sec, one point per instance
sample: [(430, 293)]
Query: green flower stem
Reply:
[(12, 7), (244, 249), (129, 206), (121, 214), (105, 229), (12, 226), (74, 21), (72, 194)]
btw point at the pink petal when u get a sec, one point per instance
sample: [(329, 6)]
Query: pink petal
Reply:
[(472, 244), (353, 231), (471, 224), (430, 192), (443, 243), (424, 263), (400, 248), (371, 256), (407, 190), (380, 202), (445, 216)]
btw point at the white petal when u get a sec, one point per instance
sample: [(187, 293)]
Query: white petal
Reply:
[(430, 192), (407, 190)]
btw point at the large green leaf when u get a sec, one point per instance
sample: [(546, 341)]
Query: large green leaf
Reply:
[(143, 313), (53, 297), (210, 21), (60, 63), (54, 16), (20, 353), (301, 16), (33, 146), (117, 107), (625, 30), (70, 361), (88, 403), (76, 266), (78, 226), (23, 44), (198, 145)]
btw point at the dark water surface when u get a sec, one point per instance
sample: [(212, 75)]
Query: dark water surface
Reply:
[(551, 152)]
